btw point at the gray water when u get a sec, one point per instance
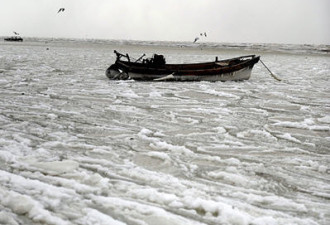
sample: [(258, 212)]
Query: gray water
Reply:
[(77, 148)]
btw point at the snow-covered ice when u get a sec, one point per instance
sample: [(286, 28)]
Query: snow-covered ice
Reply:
[(77, 148)]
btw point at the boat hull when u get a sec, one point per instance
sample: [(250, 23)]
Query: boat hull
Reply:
[(243, 74)]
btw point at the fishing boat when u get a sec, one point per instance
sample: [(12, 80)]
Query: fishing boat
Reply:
[(15, 38), (156, 69)]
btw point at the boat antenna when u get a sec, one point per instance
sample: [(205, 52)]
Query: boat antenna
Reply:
[(273, 75)]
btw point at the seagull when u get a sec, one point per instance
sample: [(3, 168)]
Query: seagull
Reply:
[(196, 39), (61, 10), (16, 33), (205, 34)]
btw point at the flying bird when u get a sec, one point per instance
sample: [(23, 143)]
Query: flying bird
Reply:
[(16, 33), (203, 34), (61, 10), (196, 39)]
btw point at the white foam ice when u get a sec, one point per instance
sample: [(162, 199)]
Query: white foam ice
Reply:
[(76, 148), (55, 167), (256, 133), (288, 137), (306, 124), (160, 155), (325, 119), (92, 216)]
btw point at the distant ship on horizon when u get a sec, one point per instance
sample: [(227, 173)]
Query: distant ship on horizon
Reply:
[(15, 38)]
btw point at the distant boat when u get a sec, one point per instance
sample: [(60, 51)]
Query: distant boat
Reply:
[(15, 38), (156, 69)]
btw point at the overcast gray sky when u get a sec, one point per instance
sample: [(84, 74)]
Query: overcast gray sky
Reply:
[(235, 21)]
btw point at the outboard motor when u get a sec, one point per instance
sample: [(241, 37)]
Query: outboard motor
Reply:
[(159, 60)]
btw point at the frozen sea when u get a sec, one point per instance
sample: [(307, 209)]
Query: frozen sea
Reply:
[(78, 148)]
